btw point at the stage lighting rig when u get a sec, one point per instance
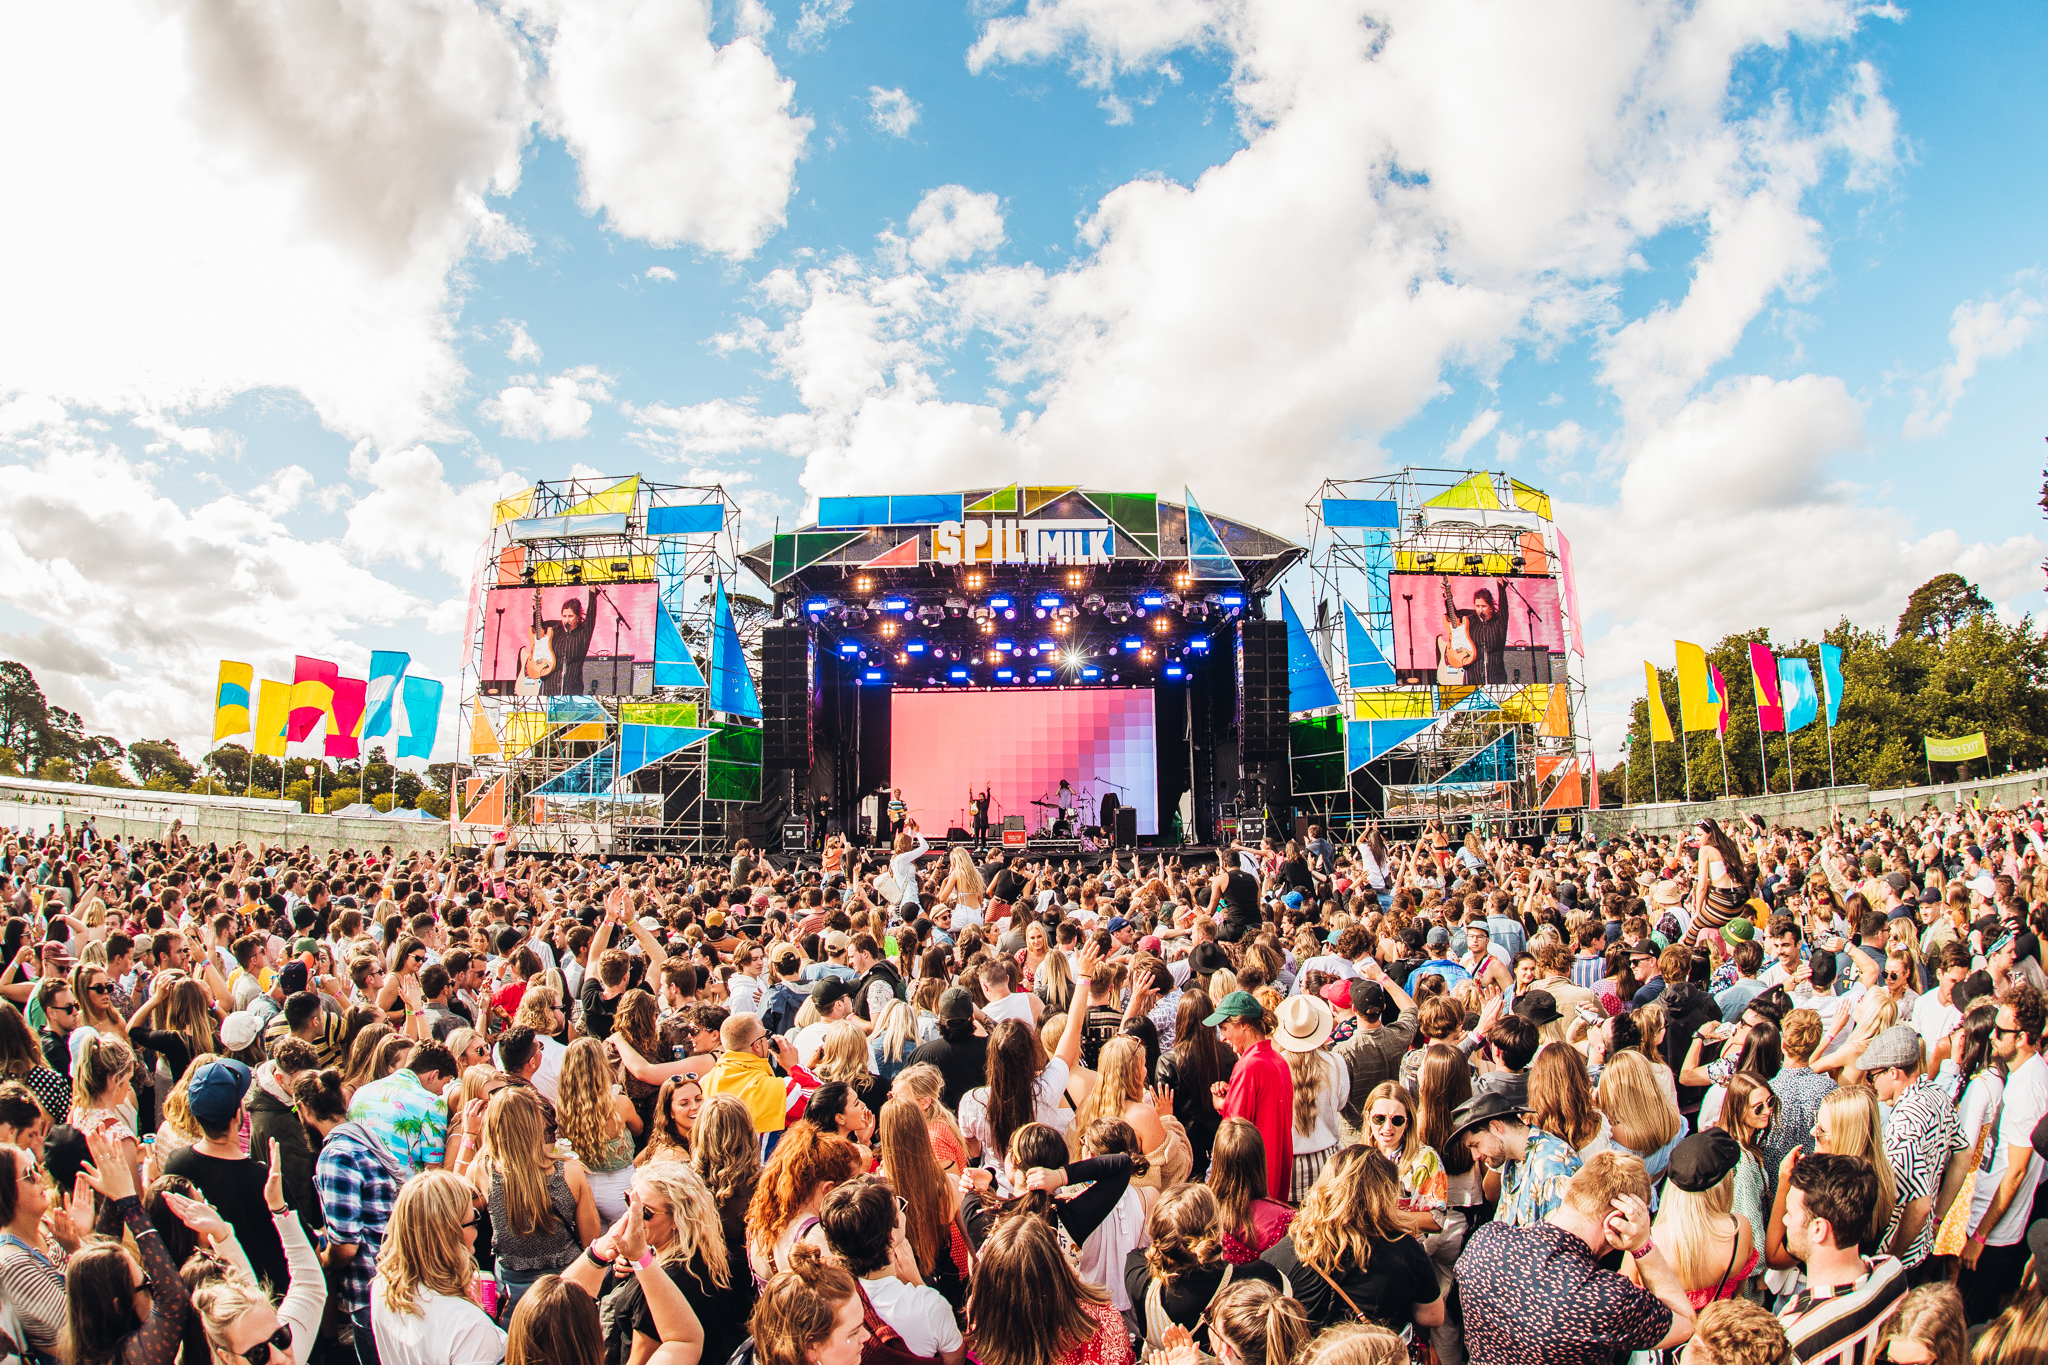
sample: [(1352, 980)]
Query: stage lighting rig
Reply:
[(1092, 603), (1116, 613), (974, 581), (956, 606), (1076, 579), (1474, 561), (863, 584)]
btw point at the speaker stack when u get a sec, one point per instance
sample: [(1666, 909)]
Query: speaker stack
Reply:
[(786, 696), (1261, 690)]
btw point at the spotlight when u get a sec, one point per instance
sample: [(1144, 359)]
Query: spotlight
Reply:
[(1116, 677), (1144, 656), (1199, 645), (1090, 674), (987, 626), (576, 573), (895, 604), (1006, 675), (995, 656), (1152, 599), (1116, 613), (914, 647), (1181, 580), (888, 630), (863, 584), (1160, 623), (1007, 646), (910, 616), (902, 658), (1519, 563), (1425, 559), (1233, 600), (1060, 626), (1474, 561), (620, 567), (817, 606), (956, 606), (1039, 613), (847, 649), (1134, 642), (1042, 674), (1050, 600), (957, 674), (973, 581), (1175, 671), (1044, 647), (932, 615), (1076, 579), (853, 616), (1092, 603), (873, 675), (1010, 614), (1000, 602)]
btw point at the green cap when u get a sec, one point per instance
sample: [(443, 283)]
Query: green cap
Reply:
[(1738, 931), (1236, 1005)]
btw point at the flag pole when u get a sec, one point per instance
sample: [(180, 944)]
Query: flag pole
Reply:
[(1655, 794), (1721, 738), (1831, 753), (1685, 752)]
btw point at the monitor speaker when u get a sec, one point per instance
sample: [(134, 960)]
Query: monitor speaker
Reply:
[(1261, 690), (608, 675), (1126, 826), (1524, 665), (786, 664)]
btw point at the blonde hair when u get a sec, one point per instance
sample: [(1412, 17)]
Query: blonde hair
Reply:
[(1639, 1115), (1856, 1128), (513, 1147), (1309, 1072), (1687, 1225), (104, 1060), (584, 1113), (533, 1008), (102, 1018), (843, 1054), (966, 876), (220, 1303), (895, 1026), (921, 1082), (699, 1236), (1411, 1139), (1357, 1199), (1120, 1083), (1262, 1325), (424, 1247), (1354, 1343)]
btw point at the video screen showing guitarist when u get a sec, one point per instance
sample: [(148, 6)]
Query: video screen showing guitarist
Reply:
[(1485, 623), (570, 639)]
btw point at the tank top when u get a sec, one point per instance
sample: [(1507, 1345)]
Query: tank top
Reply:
[(551, 1248)]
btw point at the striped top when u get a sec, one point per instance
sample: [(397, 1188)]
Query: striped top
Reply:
[(1840, 1324)]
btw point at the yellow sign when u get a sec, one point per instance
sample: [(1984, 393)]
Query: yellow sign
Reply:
[(1956, 750)]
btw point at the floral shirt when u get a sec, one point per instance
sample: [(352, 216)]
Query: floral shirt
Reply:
[(1532, 1188), (1425, 1188), (410, 1120)]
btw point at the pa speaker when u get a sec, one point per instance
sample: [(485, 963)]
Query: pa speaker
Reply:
[(1261, 690), (1126, 826), (786, 696)]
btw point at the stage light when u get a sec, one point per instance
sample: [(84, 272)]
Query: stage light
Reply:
[(853, 616), (1050, 600), (1175, 671), (863, 584), (1116, 613), (957, 674), (620, 567), (931, 615), (1076, 579), (973, 581), (1039, 613), (1090, 674), (1181, 580), (1152, 599), (1160, 623), (1200, 645), (1007, 646), (1042, 674), (999, 602), (1093, 603), (1472, 561), (1144, 656), (1045, 647), (1231, 599), (888, 630), (872, 675), (910, 616), (1060, 626), (987, 626), (956, 606), (894, 603), (848, 648), (1010, 614), (1005, 675), (1425, 559), (1519, 563), (1133, 642), (995, 656), (914, 647), (902, 658), (817, 606), (1116, 677), (576, 573)]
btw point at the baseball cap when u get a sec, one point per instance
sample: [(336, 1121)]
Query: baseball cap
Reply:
[(1292, 900), (1236, 1005), (1370, 998), (239, 1030), (1338, 993), (1439, 937), (715, 920), (215, 1091), (837, 942), (292, 977), (828, 991), (955, 1003), (1118, 924)]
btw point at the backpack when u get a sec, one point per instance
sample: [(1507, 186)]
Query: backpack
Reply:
[(778, 1016)]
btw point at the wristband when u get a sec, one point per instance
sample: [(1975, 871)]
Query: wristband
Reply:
[(646, 1261), (591, 1252), (1647, 1247)]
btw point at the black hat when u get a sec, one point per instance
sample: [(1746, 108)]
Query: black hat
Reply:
[(955, 1003), (1208, 957), (64, 1152), (1538, 1007), (828, 991), (1370, 999), (1704, 1160), (1481, 1110)]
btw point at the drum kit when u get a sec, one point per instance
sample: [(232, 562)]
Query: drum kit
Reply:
[(1059, 824)]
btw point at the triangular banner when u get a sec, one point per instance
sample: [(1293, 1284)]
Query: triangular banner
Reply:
[(1473, 493), (1530, 499), (487, 808), (1569, 792), (1207, 559), (1035, 498), (903, 556), (673, 666), (618, 498), (1134, 514), (515, 508), (1308, 686), (1002, 500), (1494, 763), (592, 777), (1366, 740), (1557, 717), (640, 745), (732, 687), (1364, 663), (482, 738)]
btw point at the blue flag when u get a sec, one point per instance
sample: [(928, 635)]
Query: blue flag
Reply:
[(387, 666), (422, 717), (1831, 680), (1795, 691)]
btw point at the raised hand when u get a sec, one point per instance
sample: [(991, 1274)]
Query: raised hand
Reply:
[(108, 1171), (198, 1215), (1162, 1098), (273, 1185), (632, 1235)]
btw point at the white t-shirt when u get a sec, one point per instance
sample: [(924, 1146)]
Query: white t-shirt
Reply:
[(1932, 1019), (548, 1079), (918, 1312), (1052, 1083), (809, 1040), (446, 1331), (2026, 1101), (1016, 1005)]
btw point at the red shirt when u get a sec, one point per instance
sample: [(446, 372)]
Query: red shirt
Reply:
[(1262, 1090)]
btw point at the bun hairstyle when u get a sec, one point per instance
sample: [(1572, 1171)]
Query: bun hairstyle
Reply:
[(1184, 1228), (320, 1093), (793, 1317), (1262, 1325)]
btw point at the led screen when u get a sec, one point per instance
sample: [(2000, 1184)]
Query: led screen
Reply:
[(593, 634), (1484, 621), (944, 745)]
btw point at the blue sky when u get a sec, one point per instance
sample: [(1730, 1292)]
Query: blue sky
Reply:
[(1770, 335)]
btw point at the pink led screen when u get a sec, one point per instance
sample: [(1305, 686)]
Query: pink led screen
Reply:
[(942, 745)]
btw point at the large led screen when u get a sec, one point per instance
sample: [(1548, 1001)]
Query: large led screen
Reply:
[(943, 746), (1460, 628), (569, 641)]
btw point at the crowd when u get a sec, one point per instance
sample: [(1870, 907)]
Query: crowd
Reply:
[(1741, 1097)]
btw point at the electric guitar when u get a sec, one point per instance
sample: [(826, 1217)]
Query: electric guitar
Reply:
[(537, 658), (1456, 651)]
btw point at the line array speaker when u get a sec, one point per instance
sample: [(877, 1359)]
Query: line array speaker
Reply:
[(786, 667), (1261, 690)]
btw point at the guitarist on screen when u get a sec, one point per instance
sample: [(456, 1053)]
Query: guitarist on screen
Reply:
[(1485, 623), (571, 637)]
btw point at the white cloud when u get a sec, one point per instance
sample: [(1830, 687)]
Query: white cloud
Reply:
[(521, 347), (678, 140), (892, 111), (1475, 431), (952, 223), (662, 273), (414, 515), (1981, 330), (50, 650), (557, 408), (816, 19), (753, 19)]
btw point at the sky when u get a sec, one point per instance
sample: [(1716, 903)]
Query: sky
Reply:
[(290, 293)]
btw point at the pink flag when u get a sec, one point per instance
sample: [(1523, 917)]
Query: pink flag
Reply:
[(1721, 695), (1763, 673), (313, 683), (349, 697), (1571, 595)]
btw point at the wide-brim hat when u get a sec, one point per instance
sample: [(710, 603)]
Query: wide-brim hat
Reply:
[(1481, 1110), (1305, 1024)]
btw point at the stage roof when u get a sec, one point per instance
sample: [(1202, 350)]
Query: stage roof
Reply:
[(1146, 535)]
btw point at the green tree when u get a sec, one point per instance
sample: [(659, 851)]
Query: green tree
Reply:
[(409, 790), (105, 773), (1941, 604), (154, 758), (434, 803)]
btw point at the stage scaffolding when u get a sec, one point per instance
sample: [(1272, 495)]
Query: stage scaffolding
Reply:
[(1352, 564), (510, 747)]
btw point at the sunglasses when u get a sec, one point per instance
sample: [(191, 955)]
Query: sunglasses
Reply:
[(100, 990), (468, 1223), (2007, 1032), (259, 1354), (1390, 1120)]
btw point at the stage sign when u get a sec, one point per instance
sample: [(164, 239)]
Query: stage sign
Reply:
[(1018, 745), (1015, 838), (567, 641), (1007, 540), (1447, 799), (1457, 629)]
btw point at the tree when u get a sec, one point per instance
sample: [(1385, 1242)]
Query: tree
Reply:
[(104, 773), (1941, 604), (435, 804), (409, 789), (441, 777), (154, 758)]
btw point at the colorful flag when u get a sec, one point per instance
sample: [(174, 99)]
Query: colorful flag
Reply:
[(732, 687), (313, 683), (1660, 719), (1763, 676), (1571, 595), (273, 716), (1831, 680), (1697, 709), (387, 666), (231, 704), (1720, 700), (1795, 685), (348, 718), (422, 701)]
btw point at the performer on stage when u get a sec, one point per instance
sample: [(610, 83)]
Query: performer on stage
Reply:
[(1064, 799), (980, 808), (571, 645), (1487, 619), (897, 811)]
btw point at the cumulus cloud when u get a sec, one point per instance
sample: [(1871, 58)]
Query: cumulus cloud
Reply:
[(661, 273), (816, 19), (50, 650), (1979, 330), (952, 223), (557, 408), (678, 140), (892, 111), (1475, 431), (520, 347)]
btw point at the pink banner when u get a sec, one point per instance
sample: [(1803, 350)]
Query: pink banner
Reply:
[(1721, 695), (304, 716), (349, 697), (1763, 674), (1571, 595)]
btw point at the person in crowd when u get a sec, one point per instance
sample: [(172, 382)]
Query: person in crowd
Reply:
[(726, 1155), (593, 1115), (1174, 1281), (222, 1171), (1261, 1086), (1831, 1209), (1023, 1087), (121, 1308), (1921, 1137), (102, 1089), (1250, 1221), (1258, 1324), (1928, 1329), (1712, 1248), (930, 1201), (1533, 1166), (2009, 1172), (1737, 1332), (672, 1219), (1320, 1084), (672, 1120), (1392, 1129), (32, 1249), (866, 1229), (404, 1107), (357, 1182), (791, 1190), (1351, 1251), (1850, 1123), (1638, 1119), (421, 1309), (542, 1210), (1029, 1306), (235, 1313), (959, 1052), (809, 1314)]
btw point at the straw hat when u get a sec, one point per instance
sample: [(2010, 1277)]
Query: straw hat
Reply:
[(1305, 1024)]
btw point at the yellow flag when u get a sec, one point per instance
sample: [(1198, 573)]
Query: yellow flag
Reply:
[(1660, 719), (1697, 710), (273, 713), (231, 699)]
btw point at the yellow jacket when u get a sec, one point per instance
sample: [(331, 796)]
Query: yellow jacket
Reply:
[(750, 1078)]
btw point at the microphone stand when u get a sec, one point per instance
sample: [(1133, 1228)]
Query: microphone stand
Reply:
[(498, 645)]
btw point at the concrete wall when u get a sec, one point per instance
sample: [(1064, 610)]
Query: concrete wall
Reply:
[(1811, 807)]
